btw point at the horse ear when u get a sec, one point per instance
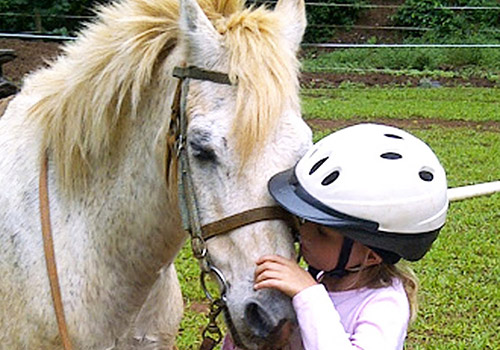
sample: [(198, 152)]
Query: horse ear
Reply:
[(294, 14), (203, 41)]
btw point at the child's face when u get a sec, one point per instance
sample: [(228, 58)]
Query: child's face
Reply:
[(321, 247)]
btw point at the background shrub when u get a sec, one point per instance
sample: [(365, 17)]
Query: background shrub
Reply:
[(45, 15), (320, 17), (449, 25)]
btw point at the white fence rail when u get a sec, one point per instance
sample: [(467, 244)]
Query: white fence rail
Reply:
[(323, 45), (46, 36), (364, 46), (471, 191), (36, 36), (381, 6)]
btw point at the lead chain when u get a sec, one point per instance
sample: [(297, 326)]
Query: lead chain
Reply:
[(212, 334)]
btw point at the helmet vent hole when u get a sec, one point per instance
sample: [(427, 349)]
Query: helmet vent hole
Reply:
[(426, 175), (391, 155), (393, 136), (330, 178), (317, 165)]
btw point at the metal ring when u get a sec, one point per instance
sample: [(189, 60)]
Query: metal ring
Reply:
[(180, 144), (221, 279), (198, 247)]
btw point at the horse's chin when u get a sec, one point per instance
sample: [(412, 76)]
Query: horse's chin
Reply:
[(281, 337), (278, 340), (262, 320)]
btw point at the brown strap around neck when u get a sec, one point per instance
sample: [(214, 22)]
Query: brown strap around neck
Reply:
[(247, 217), (48, 246)]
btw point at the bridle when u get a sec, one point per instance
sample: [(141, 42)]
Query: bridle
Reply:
[(176, 154), (188, 205)]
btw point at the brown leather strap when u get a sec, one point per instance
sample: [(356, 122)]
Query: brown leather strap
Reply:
[(48, 246), (247, 217), (208, 344), (197, 73), (173, 136)]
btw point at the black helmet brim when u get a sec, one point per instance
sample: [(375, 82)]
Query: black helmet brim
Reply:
[(286, 190)]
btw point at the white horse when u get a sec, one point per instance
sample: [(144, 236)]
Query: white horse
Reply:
[(101, 112)]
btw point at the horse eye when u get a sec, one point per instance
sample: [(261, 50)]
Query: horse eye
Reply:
[(202, 151)]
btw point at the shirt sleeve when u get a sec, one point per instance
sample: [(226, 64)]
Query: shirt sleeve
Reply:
[(319, 321), (380, 324)]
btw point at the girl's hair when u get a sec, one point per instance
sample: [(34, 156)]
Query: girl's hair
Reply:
[(384, 274)]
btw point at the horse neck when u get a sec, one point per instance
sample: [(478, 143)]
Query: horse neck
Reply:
[(132, 219)]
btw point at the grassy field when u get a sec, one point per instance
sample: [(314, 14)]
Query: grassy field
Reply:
[(469, 104), (460, 276)]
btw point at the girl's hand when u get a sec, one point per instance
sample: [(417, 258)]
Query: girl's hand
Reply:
[(274, 271)]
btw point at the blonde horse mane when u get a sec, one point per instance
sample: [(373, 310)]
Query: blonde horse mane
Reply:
[(100, 78)]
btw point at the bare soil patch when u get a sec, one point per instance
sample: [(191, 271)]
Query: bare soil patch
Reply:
[(326, 80), (32, 55)]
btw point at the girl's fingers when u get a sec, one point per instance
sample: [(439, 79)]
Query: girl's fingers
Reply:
[(267, 275), (272, 269), (274, 272), (273, 258), (268, 265), (277, 272), (271, 283)]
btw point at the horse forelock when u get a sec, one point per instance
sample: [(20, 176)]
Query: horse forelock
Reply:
[(102, 77), (266, 69)]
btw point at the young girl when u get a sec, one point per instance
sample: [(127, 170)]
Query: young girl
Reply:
[(367, 196)]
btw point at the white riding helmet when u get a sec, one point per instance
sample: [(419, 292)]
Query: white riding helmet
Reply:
[(381, 185)]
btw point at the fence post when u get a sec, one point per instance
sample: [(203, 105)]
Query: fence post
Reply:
[(38, 21)]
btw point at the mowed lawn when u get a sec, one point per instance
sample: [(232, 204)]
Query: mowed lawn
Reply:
[(460, 276)]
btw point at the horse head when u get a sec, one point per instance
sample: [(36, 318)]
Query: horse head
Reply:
[(238, 136)]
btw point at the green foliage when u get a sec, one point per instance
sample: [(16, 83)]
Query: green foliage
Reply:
[(448, 62), (45, 15), (320, 17), (448, 25)]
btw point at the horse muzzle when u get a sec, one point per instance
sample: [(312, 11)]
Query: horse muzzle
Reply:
[(266, 322), (271, 328)]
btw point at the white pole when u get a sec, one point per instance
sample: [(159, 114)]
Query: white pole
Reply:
[(465, 192)]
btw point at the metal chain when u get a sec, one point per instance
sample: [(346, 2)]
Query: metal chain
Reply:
[(212, 330)]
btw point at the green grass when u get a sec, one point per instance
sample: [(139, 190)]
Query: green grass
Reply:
[(459, 281), (460, 276), (471, 104)]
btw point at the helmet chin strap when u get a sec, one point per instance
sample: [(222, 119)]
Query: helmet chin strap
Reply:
[(339, 270)]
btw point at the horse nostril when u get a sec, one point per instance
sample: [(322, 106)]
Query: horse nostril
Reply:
[(258, 320)]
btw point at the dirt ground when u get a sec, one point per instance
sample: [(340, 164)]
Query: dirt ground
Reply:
[(32, 55), (417, 123)]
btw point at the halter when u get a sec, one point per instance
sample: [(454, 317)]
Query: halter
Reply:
[(176, 150), (176, 144)]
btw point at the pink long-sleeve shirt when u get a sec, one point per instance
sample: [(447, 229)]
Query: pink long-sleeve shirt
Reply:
[(368, 319)]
